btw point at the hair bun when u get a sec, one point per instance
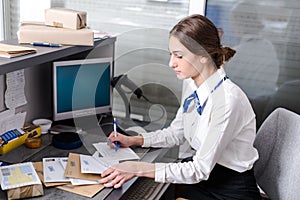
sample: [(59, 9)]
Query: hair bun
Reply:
[(227, 53)]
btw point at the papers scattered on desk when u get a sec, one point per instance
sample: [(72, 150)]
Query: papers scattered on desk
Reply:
[(54, 170), (73, 169), (89, 164), (18, 175), (38, 166), (83, 190), (122, 154), (76, 181), (10, 51)]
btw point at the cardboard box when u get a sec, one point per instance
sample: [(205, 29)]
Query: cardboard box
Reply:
[(25, 192), (65, 18), (38, 32)]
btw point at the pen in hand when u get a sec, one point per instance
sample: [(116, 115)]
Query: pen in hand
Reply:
[(117, 144)]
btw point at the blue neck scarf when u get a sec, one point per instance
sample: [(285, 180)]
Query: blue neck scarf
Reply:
[(194, 96)]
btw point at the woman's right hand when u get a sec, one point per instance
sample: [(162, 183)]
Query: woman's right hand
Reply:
[(125, 141)]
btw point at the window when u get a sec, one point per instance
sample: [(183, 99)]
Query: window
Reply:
[(142, 29), (266, 37)]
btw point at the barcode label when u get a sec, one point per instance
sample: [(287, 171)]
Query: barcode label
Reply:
[(5, 172)]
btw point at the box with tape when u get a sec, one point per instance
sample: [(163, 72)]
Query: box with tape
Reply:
[(65, 18), (30, 32), (16, 137)]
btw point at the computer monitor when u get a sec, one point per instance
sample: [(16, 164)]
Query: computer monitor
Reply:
[(82, 88)]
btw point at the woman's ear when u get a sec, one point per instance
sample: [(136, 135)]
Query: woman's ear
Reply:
[(203, 60)]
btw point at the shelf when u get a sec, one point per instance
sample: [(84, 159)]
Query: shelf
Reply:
[(45, 54)]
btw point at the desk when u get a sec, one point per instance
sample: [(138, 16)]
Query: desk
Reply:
[(38, 74), (91, 136)]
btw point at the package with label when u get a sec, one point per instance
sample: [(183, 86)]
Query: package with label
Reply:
[(30, 32), (65, 18), (25, 192)]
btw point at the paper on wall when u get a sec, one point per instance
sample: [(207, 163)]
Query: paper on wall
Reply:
[(15, 89), (9, 120)]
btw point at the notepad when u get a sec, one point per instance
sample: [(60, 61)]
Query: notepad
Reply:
[(10, 51)]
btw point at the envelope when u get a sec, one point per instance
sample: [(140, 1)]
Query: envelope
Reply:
[(38, 166), (30, 32), (73, 169), (84, 190)]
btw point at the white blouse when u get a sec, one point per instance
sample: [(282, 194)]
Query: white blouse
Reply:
[(224, 133)]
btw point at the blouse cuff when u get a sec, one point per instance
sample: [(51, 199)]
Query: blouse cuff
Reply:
[(147, 139), (160, 169)]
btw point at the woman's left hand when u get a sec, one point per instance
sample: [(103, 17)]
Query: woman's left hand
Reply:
[(118, 174)]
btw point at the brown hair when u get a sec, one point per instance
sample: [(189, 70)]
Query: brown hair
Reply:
[(200, 36)]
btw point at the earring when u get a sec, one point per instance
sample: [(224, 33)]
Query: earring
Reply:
[(203, 60)]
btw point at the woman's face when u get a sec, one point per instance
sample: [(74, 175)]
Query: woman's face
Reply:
[(184, 63)]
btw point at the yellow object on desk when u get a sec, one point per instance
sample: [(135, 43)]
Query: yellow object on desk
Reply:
[(14, 138)]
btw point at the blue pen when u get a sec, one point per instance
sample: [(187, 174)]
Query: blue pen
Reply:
[(43, 44), (117, 144)]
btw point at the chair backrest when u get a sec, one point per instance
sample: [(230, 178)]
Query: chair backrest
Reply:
[(278, 143)]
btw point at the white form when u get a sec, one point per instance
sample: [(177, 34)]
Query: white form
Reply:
[(18, 175), (15, 92), (76, 181), (121, 154), (89, 164), (107, 162), (53, 170)]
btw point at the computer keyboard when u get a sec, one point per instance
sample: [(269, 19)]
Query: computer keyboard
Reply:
[(143, 188)]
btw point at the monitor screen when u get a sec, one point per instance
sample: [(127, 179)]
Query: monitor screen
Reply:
[(82, 88)]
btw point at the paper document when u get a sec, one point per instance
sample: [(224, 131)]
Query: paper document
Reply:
[(38, 166), (15, 89), (73, 169), (10, 51), (53, 170), (18, 175), (89, 164), (75, 181), (83, 190), (107, 162), (122, 154)]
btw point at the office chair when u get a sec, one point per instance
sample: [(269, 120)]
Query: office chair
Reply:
[(277, 171)]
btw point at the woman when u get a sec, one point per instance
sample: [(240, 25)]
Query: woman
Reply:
[(216, 119)]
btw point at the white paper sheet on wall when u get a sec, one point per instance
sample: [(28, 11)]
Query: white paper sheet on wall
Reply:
[(2, 88), (15, 89), (9, 120)]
